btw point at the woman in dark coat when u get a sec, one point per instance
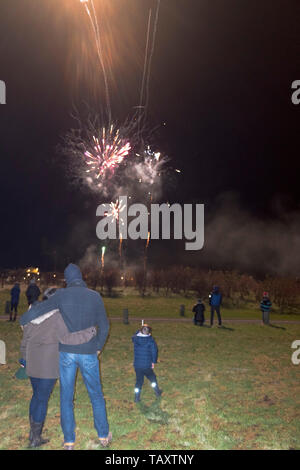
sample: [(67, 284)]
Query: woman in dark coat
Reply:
[(198, 310), (33, 292)]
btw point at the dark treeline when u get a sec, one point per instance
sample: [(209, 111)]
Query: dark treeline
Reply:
[(237, 288)]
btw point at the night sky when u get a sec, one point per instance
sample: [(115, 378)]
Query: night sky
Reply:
[(221, 81)]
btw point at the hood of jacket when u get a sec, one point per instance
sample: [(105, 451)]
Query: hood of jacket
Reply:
[(139, 338), (73, 276)]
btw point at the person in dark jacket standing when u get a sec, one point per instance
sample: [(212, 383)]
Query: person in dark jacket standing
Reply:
[(32, 292), (145, 356), (14, 301), (265, 307), (80, 308), (215, 302), (199, 310)]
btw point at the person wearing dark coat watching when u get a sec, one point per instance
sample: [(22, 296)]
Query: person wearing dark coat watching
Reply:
[(145, 356), (265, 307), (14, 302), (215, 301), (199, 310), (32, 292), (80, 308)]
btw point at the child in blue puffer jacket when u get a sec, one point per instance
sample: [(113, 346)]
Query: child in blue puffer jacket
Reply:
[(145, 356)]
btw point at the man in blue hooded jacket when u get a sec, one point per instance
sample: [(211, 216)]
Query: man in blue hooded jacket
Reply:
[(80, 308), (215, 301)]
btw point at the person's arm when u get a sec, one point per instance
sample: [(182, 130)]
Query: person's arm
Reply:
[(40, 309), (103, 325), (24, 342), (154, 351), (23, 345), (78, 337), (134, 336)]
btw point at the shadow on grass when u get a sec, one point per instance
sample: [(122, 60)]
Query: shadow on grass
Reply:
[(276, 326), (153, 412), (217, 327), (226, 328)]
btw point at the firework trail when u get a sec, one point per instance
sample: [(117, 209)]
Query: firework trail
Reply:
[(116, 209), (146, 252), (103, 249), (120, 250), (95, 27), (148, 240), (151, 56), (145, 264), (145, 68), (147, 64)]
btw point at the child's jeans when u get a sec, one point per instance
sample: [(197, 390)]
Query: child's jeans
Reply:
[(140, 374)]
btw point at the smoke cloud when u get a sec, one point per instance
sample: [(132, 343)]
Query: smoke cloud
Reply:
[(236, 239)]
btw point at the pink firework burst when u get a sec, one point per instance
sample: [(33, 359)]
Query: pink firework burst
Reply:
[(108, 153)]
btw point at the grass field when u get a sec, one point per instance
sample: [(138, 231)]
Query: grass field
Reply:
[(168, 307), (231, 388), (158, 306)]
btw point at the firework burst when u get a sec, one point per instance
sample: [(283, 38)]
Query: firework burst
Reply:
[(116, 209), (107, 154), (150, 166)]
